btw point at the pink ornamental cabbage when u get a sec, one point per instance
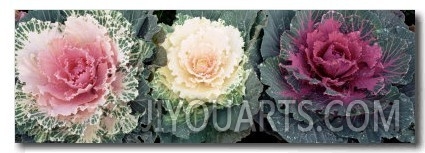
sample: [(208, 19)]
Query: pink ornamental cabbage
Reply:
[(74, 77), (69, 72)]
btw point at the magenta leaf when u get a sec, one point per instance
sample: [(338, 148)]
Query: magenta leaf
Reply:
[(302, 23)]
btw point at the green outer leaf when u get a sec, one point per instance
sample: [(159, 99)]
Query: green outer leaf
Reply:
[(254, 55), (358, 20), (369, 135), (145, 50), (241, 19), (140, 53), (318, 134), (23, 138), (140, 105), (391, 18), (253, 46), (181, 18), (44, 15), (409, 90), (366, 136), (400, 46), (182, 129), (160, 57), (407, 135), (209, 14), (227, 136), (277, 23), (395, 57), (252, 93), (160, 90), (144, 137), (159, 37), (364, 16), (143, 22), (272, 77), (209, 135)]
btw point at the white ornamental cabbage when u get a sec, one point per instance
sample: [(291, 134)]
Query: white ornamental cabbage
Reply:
[(204, 62)]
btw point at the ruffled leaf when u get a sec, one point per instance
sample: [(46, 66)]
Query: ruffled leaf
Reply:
[(118, 27), (22, 32), (302, 22)]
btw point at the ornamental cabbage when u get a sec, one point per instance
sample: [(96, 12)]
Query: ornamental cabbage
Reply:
[(340, 56), (205, 60), (207, 71), (74, 80)]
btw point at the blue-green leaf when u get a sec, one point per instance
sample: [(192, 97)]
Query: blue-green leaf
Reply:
[(143, 22), (277, 23), (44, 15)]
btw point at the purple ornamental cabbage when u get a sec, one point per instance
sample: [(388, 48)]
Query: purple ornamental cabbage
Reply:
[(323, 56), (341, 62)]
